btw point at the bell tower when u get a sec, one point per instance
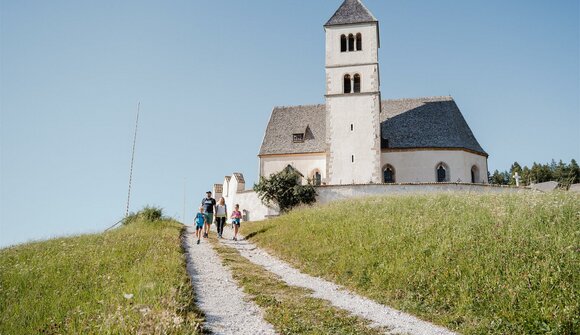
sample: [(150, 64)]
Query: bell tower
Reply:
[(353, 98)]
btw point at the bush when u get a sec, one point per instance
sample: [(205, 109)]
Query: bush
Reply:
[(285, 190), (148, 213)]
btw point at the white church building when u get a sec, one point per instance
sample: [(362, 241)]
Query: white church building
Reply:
[(355, 137)]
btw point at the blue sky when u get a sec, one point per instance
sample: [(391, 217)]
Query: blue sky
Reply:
[(208, 74)]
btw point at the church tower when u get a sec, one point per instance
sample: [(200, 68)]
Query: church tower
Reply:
[(353, 98)]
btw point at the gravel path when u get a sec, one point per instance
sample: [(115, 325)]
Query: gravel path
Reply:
[(380, 315), (227, 309)]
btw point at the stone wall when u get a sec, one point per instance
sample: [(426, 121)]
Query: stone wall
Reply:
[(327, 194), (253, 209)]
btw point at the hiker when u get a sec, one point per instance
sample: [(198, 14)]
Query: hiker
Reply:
[(208, 204), (236, 219), (221, 216), (199, 223)]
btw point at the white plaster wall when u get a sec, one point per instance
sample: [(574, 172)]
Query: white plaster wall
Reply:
[(369, 52), (420, 165), (369, 78), (362, 112), (253, 207), (306, 164)]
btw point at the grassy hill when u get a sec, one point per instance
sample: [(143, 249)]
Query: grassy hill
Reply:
[(127, 281), (480, 264)]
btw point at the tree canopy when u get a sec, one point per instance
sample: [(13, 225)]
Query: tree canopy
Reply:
[(285, 190)]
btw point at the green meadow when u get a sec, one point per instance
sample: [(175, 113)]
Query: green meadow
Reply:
[(478, 264), (127, 281)]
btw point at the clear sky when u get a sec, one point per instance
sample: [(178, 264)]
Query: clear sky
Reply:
[(208, 73)]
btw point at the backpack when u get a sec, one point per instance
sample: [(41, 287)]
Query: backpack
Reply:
[(199, 219)]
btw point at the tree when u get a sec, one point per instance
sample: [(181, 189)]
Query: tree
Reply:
[(285, 190), (499, 178)]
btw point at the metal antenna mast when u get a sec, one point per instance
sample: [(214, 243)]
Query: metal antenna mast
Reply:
[(132, 159)]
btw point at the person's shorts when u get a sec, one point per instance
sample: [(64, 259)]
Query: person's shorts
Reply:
[(198, 227), (208, 217), (237, 222)]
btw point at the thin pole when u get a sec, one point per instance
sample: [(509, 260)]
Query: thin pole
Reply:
[(184, 220), (132, 159)]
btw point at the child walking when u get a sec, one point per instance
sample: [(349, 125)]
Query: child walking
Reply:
[(199, 223), (221, 216), (236, 220)]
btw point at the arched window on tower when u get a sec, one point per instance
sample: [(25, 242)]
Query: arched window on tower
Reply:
[(388, 174), (343, 43), (474, 174), (442, 172), (351, 42), (357, 83), (347, 84), (358, 42)]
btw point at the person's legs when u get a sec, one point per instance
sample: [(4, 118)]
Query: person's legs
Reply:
[(208, 221), (221, 221), (236, 228)]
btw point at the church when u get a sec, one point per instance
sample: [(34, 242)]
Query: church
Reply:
[(355, 137)]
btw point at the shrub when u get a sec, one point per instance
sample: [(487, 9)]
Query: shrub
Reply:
[(284, 190), (148, 213)]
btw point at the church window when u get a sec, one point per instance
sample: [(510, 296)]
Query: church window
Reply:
[(351, 127), (352, 158), (343, 43), (388, 174), (317, 178), (347, 83), (358, 42), (442, 173), (351, 42), (357, 83), (298, 138)]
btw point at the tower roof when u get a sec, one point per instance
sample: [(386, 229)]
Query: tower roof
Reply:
[(351, 12)]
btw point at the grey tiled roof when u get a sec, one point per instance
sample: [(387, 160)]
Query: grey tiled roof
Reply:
[(286, 121), (351, 11), (434, 122)]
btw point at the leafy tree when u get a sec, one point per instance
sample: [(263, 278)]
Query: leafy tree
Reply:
[(499, 178), (285, 190)]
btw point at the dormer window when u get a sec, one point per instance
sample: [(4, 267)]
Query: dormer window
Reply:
[(298, 138)]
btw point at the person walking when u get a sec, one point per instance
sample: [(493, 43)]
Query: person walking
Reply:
[(208, 204), (236, 219), (199, 223), (221, 216)]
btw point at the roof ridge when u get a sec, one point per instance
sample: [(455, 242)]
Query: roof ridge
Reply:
[(295, 106), (437, 98)]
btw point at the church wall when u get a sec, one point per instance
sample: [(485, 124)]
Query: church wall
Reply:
[(368, 53), (416, 166), (306, 164), (362, 142)]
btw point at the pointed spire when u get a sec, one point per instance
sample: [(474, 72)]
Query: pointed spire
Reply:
[(351, 12)]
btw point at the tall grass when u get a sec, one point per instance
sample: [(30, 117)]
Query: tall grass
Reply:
[(127, 281), (480, 264)]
